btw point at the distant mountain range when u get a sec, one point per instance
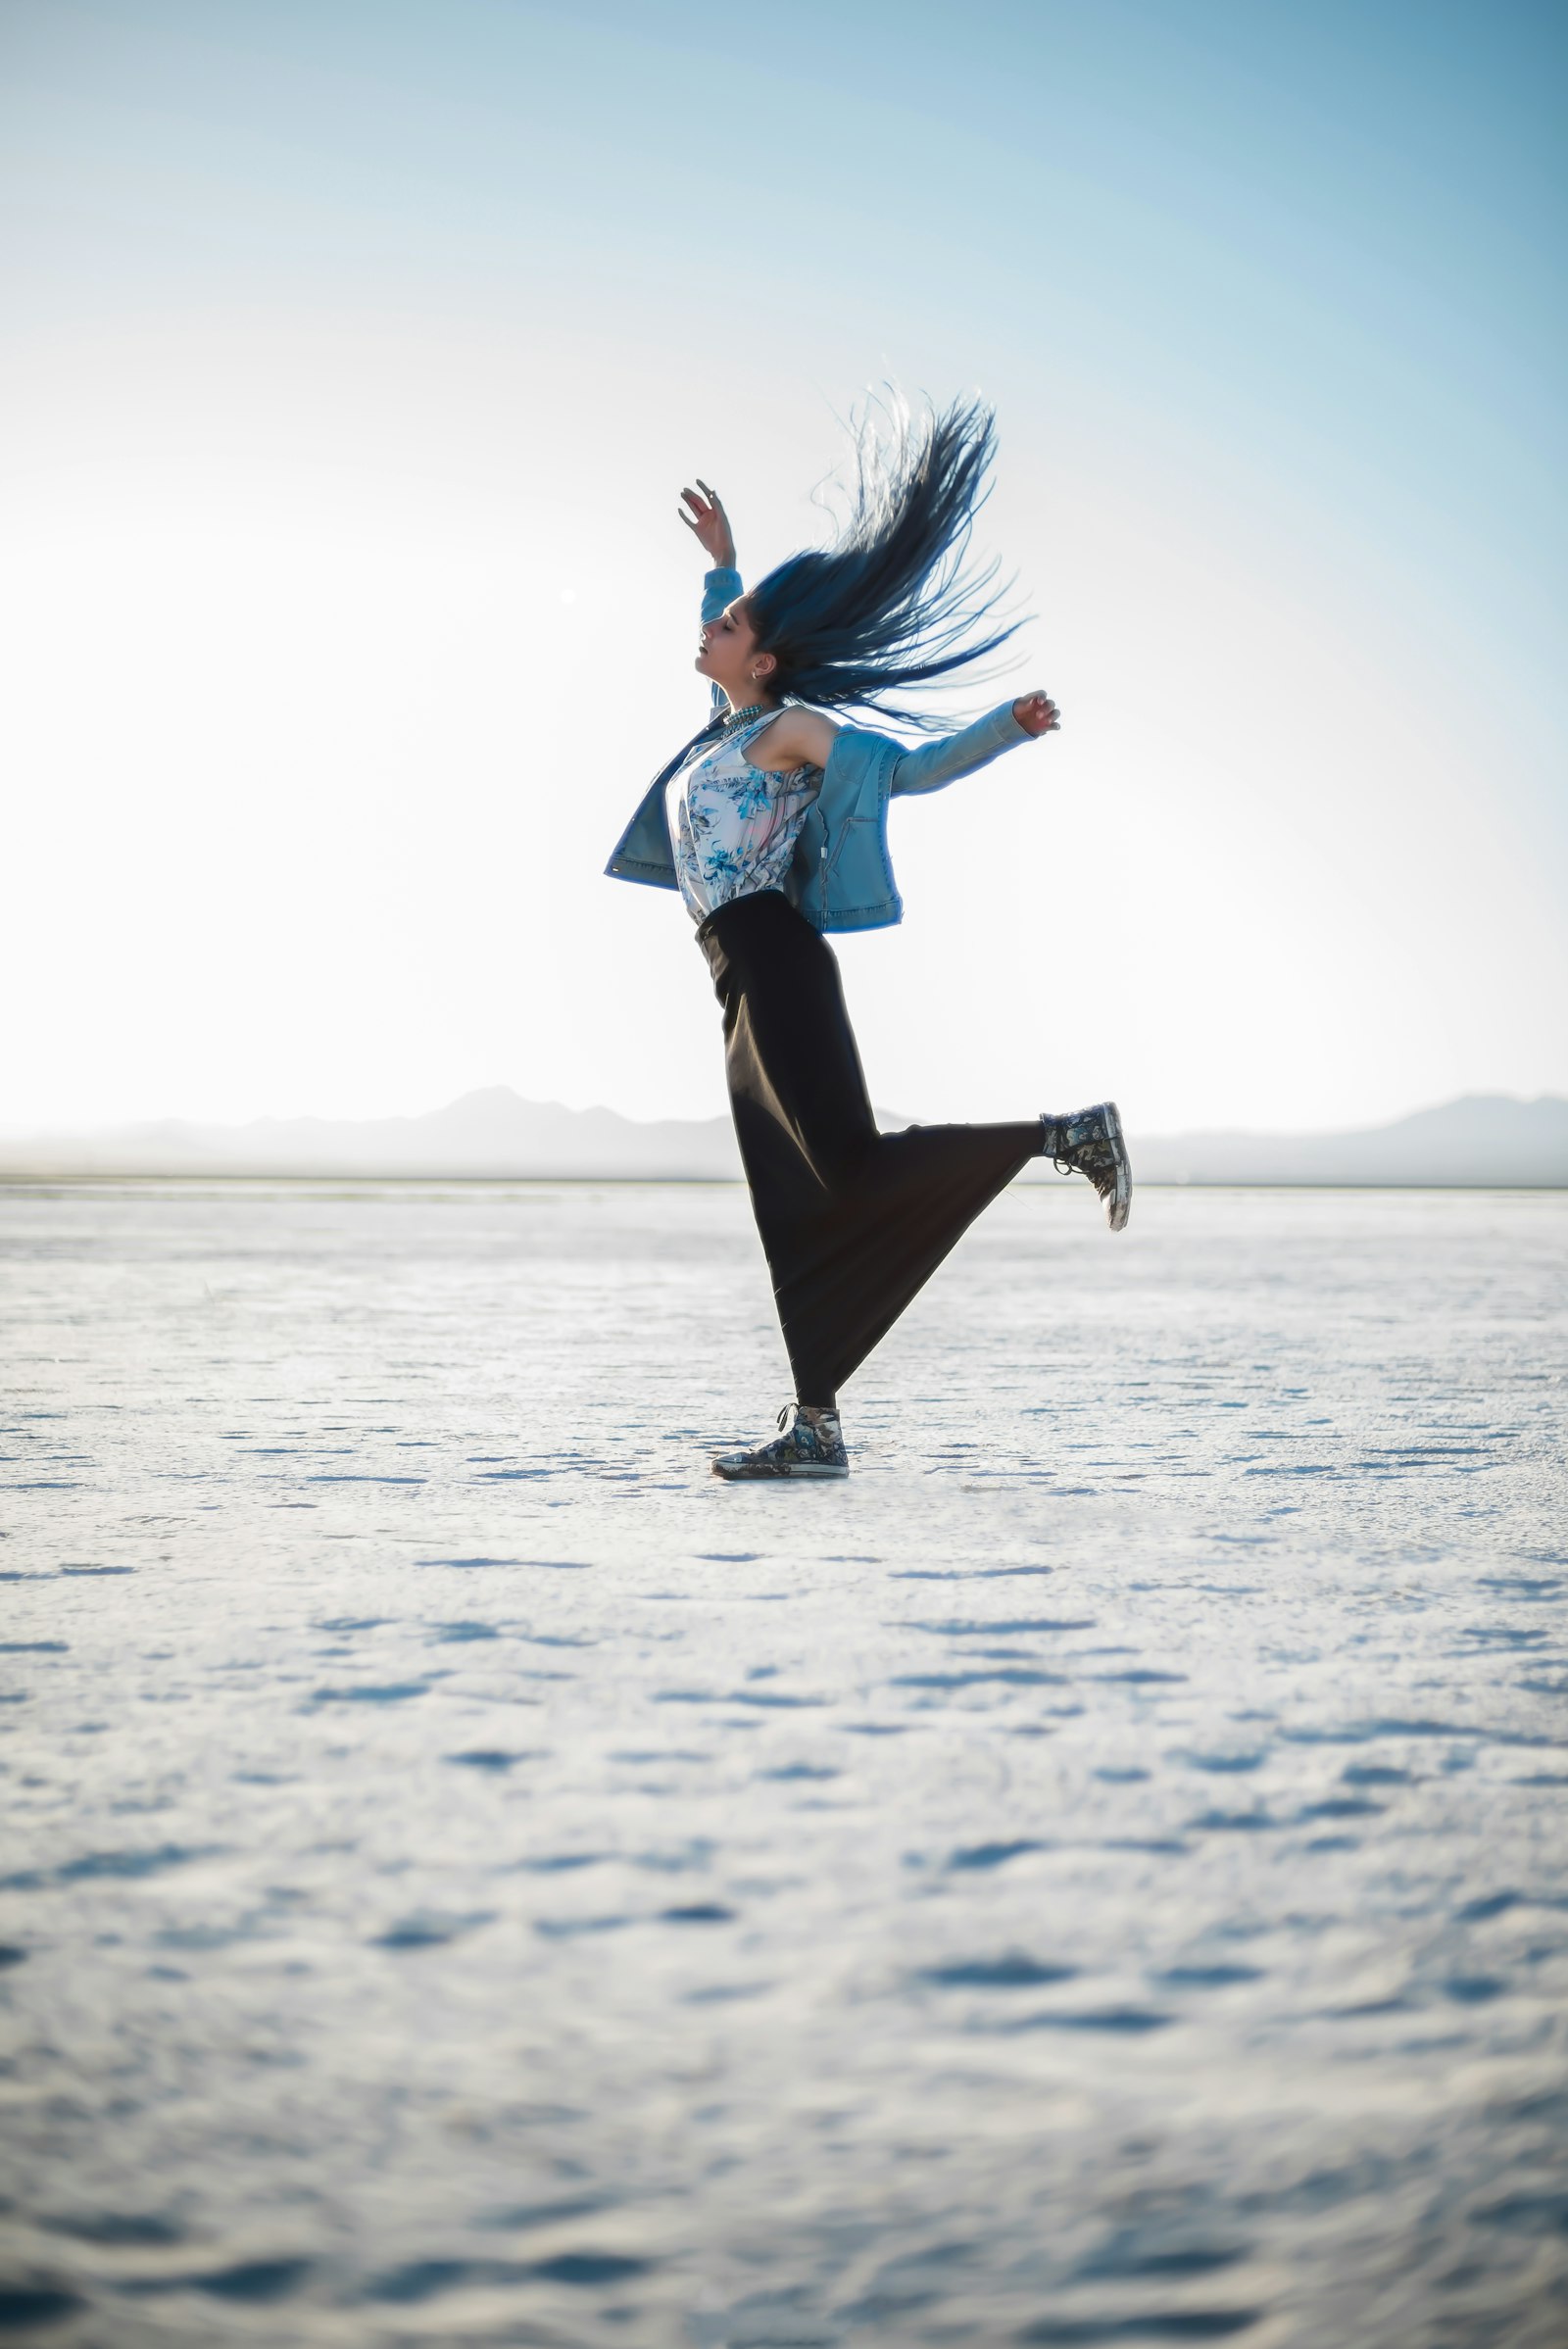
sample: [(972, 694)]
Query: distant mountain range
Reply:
[(1483, 1141)]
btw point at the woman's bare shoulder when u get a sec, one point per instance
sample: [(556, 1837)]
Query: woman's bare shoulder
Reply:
[(804, 737)]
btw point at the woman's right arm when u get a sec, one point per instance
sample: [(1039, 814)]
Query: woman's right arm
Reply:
[(708, 523)]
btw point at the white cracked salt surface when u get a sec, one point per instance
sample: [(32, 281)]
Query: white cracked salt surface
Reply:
[(1095, 1877)]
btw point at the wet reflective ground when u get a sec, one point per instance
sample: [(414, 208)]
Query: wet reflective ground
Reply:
[(471, 1878)]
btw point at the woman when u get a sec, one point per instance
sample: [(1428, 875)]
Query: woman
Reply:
[(772, 823)]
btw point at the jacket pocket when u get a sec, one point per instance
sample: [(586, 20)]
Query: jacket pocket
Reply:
[(853, 836), (858, 876)]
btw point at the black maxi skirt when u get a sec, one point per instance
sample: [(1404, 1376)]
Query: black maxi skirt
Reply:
[(853, 1222)]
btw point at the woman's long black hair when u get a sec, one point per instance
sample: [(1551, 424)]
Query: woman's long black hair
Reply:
[(890, 606)]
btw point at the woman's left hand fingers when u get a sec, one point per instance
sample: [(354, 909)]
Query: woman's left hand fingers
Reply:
[(1036, 714)]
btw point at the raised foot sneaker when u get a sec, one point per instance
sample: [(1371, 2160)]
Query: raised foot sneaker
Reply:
[(813, 1446), (1090, 1142)]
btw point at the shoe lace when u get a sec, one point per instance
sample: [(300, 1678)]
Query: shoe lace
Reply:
[(1061, 1157), (1092, 1156)]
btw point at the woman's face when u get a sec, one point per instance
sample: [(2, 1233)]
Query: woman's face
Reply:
[(728, 655)]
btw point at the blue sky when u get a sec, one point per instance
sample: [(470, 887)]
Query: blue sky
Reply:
[(355, 355)]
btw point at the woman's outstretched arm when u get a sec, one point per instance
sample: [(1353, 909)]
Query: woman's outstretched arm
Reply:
[(935, 764)]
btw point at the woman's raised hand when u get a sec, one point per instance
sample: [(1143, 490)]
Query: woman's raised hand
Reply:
[(709, 523), (1036, 714)]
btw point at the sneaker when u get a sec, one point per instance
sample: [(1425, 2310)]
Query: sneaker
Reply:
[(1090, 1142), (813, 1446)]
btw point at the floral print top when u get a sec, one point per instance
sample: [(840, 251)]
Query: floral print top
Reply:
[(733, 827)]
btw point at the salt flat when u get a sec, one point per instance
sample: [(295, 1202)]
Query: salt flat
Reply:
[(471, 1877)]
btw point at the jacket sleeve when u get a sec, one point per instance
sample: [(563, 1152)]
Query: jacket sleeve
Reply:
[(943, 761), (720, 587)]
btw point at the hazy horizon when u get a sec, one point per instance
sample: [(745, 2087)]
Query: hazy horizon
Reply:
[(18, 1133), (355, 355)]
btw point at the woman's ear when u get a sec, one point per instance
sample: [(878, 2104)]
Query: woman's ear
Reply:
[(762, 665)]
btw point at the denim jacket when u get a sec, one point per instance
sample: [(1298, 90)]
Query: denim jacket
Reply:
[(841, 877)]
